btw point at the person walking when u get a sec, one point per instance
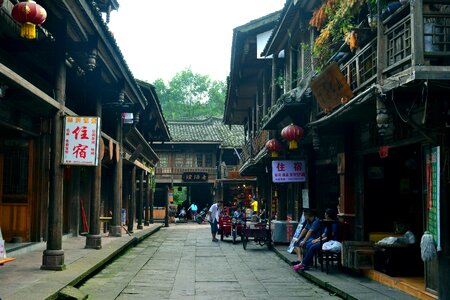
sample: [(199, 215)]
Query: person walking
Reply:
[(214, 215), (193, 208)]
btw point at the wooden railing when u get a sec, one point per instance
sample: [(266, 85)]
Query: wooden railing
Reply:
[(254, 146), (433, 48), (179, 171)]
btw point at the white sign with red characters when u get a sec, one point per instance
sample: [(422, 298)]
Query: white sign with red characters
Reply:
[(81, 141), (288, 171)]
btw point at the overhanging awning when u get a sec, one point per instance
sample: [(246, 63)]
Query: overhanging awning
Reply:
[(138, 147), (292, 107)]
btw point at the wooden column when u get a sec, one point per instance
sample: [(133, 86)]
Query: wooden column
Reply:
[(151, 178), (147, 199), (53, 256), (115, 229), (151, 206), (132, 211), (94, 239), (140, 209), (274, 94), (166, 197), (74, 194)]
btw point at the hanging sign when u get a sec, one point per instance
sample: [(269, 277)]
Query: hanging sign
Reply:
[(194, 176), (432, 158), (81, 141), (288, 171), (330, 88)]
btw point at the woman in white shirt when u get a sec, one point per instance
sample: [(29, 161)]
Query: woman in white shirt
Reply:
[(214, 215)]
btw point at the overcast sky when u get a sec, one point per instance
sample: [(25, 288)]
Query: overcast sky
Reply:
[(160, 38)]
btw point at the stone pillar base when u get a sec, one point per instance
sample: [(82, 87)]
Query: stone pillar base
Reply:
[(93, 241), (146, 223), (53, 260), (115, 231), (140, 227)]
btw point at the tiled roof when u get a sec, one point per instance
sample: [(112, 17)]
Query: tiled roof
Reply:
[(207, 130)]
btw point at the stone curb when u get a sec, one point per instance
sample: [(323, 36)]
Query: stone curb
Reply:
[(323, 284), (49, 287)]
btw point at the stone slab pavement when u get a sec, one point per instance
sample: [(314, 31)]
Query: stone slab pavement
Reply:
[(23, 278)]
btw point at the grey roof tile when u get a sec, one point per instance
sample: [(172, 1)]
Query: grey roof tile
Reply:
[(211, 129)]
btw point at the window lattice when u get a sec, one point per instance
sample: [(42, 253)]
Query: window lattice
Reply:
[(15, 171)]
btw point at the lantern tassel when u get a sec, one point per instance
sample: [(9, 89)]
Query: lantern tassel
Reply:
[(28, 31), (293, 145), (274, 154)]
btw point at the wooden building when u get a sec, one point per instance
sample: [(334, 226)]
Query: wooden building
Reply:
[(203, 156), (376, 124), (71, 70)]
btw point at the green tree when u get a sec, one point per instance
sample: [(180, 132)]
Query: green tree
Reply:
[(190, 95)]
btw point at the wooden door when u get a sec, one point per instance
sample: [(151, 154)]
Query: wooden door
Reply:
[(15, 188)]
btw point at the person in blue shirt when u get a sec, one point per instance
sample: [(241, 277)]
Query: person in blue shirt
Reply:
[(314, 245), (310, 232), (239, 215), (193, 208)]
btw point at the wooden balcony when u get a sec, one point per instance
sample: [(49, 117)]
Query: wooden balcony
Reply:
[(253, 147), (415, 41)]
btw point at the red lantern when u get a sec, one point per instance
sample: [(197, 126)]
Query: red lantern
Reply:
[(274, 146), (29, 14), (292, 133)]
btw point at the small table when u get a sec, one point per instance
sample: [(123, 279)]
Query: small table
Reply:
[(105, 221)]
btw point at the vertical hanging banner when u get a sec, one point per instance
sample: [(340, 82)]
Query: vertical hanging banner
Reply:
[(81, 141), (432, 158)]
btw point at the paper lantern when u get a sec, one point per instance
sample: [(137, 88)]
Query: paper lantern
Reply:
[(292, 133), (274, 146), (29, 14)]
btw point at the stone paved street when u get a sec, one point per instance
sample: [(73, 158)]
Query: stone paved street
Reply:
[(181, 262)]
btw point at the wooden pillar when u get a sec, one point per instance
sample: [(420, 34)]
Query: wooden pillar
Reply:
[(152, 195), (147, 198), (74, 194), (132, 211), (274, 94), (140, 209), (53, 256), (166, 197), (115, 230), (94, 239)]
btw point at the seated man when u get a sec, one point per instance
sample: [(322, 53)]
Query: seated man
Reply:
[(313, 247), (310, 231), (239, 215)]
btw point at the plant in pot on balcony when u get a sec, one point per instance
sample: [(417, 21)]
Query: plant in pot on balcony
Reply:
[(335, 20)]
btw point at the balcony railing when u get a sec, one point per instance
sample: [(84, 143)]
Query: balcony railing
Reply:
[(403, 44), (179, 170), (254, 146)]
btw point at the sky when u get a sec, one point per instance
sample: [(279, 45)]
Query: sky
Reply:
[(160, 38)]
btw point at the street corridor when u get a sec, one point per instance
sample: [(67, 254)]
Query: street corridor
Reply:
[(181, 262)]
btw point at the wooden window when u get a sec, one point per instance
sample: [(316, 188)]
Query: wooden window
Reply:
[(189, 160), (208, 160), (179, 160), (15, 171), (163, 160), (199, 160)]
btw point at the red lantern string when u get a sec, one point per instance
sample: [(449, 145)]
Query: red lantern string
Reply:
[(274, 146), (29, 14), (292, 133)]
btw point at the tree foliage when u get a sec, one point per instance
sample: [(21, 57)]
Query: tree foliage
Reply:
[(189, 96)]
